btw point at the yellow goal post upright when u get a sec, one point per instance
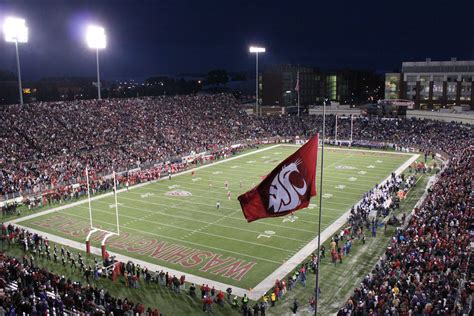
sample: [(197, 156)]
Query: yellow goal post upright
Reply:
[(94, 229)]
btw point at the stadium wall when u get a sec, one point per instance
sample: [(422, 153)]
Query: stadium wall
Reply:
[(465, 118)]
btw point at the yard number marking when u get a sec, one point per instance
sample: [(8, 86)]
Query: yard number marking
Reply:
[(145, 195), (266, 234)]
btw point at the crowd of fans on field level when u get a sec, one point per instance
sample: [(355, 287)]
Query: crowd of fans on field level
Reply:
[(28, 289)]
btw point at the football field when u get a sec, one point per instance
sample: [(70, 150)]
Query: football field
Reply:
[(175, 223)]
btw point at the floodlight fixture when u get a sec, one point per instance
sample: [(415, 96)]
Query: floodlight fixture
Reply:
[(256, 49), (95, 37), (15, 30)]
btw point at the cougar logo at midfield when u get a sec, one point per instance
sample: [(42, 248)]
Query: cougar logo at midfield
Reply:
[(284, 195)]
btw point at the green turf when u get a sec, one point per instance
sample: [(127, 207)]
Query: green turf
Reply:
[(149, 218)]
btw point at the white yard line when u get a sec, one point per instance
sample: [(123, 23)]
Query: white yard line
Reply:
[(287, 267)]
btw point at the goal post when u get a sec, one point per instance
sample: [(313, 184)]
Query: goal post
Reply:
[(351, 118), (94, 229)]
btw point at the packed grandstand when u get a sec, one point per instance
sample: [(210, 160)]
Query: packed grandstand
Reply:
[(45, 148)]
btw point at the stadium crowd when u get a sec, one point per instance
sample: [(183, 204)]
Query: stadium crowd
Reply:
[(427, 268), (50, 145), (46, 146)]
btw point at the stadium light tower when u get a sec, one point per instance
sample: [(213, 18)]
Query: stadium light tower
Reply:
[(15, 31), (256, 50), (96, 40)]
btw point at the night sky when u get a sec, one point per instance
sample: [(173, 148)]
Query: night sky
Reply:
[(176, 36)]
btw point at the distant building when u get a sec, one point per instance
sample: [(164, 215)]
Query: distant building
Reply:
[(433, 84), (277, 86), (353, 86)]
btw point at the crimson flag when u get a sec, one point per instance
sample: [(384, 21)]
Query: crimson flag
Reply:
[(289, 187)]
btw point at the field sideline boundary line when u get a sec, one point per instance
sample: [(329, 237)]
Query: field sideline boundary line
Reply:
[(260, 289)]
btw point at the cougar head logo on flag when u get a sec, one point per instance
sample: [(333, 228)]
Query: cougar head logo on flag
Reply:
[(283, 194), (287, 188)]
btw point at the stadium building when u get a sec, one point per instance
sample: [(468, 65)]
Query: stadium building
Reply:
[(433, 84), (278, 86)]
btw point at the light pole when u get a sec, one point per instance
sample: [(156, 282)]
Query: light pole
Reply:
[(256, 50), (15, 31), (96, 40)]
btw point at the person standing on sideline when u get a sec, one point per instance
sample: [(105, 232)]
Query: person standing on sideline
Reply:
[(273, 298), (294, 309)]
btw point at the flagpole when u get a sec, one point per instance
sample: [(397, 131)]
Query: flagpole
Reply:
[(316, 289), (352, 126), (89, 196), (298, 83), (116, 204)]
